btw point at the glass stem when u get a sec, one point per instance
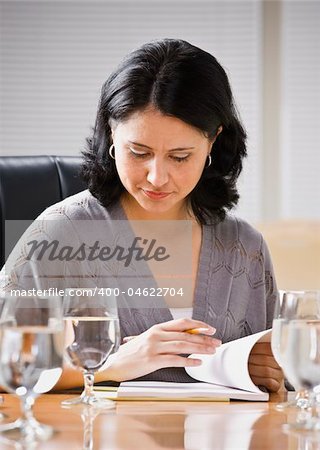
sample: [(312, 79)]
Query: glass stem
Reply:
[(88, 383), (26, 408)]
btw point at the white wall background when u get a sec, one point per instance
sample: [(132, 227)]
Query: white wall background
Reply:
[(300, 138), (55, 55)]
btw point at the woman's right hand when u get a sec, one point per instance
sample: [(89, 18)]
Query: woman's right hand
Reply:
[(161, 346)]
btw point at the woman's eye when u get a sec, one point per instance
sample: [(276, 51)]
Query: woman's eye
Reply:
[(180, 158), (138, 154), (141, 155)]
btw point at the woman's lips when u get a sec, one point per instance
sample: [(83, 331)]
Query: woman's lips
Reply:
[(155, 195)]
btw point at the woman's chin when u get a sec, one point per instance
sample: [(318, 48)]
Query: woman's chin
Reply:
[(158, 207)]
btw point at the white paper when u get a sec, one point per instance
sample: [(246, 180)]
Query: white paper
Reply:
[(229, 365), (164, 389)]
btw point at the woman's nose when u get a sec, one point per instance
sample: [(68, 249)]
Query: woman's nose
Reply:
[(157, 173)]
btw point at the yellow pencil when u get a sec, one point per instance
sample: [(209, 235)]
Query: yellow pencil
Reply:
[(198, 331)]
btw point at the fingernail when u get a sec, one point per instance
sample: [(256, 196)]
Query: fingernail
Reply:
[(209, 330)]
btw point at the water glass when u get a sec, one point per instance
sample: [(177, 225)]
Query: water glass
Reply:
[(301, 364), (92, 334), (31, 355), (292, 305)]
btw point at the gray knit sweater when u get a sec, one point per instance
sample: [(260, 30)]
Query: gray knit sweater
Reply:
[(235, 287)]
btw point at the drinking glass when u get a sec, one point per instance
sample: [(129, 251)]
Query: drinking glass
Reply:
[(292, 305), (92, 334), (301, 363), (31, 355)]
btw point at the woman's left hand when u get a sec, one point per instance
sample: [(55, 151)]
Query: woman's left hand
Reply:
[(263, 368)]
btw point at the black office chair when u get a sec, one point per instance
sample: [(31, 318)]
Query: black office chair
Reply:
[(29, 184)]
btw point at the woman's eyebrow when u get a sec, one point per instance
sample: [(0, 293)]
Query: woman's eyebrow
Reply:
[(150, 148)]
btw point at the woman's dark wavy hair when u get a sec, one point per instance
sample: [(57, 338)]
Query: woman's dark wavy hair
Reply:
[(179, 80)]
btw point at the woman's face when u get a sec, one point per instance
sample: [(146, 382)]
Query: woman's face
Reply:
[(159, 160)]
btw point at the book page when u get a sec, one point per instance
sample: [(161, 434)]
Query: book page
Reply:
[(163, 390), (229, 365)]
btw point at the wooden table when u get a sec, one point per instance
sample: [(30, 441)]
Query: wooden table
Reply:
[(166, 425)]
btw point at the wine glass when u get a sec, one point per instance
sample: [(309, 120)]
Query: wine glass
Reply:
[(292, 305), (31, 355), (92, 334), (301, 363)]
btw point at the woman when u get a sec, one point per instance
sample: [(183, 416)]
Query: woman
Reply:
[(168, 146)]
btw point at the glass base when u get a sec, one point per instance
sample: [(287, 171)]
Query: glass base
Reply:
[(26, 431), (89, 400)]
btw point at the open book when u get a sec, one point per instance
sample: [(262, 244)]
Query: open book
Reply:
[(223, 375)]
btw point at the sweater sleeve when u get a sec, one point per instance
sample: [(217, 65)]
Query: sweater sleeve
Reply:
[(254, 292)]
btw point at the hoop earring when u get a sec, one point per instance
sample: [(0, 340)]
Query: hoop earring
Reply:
[(111, 149), (209, 162)]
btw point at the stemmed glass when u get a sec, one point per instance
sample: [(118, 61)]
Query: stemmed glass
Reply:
[(301, 364), (31, 355), (92, 334), (298, 306)]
